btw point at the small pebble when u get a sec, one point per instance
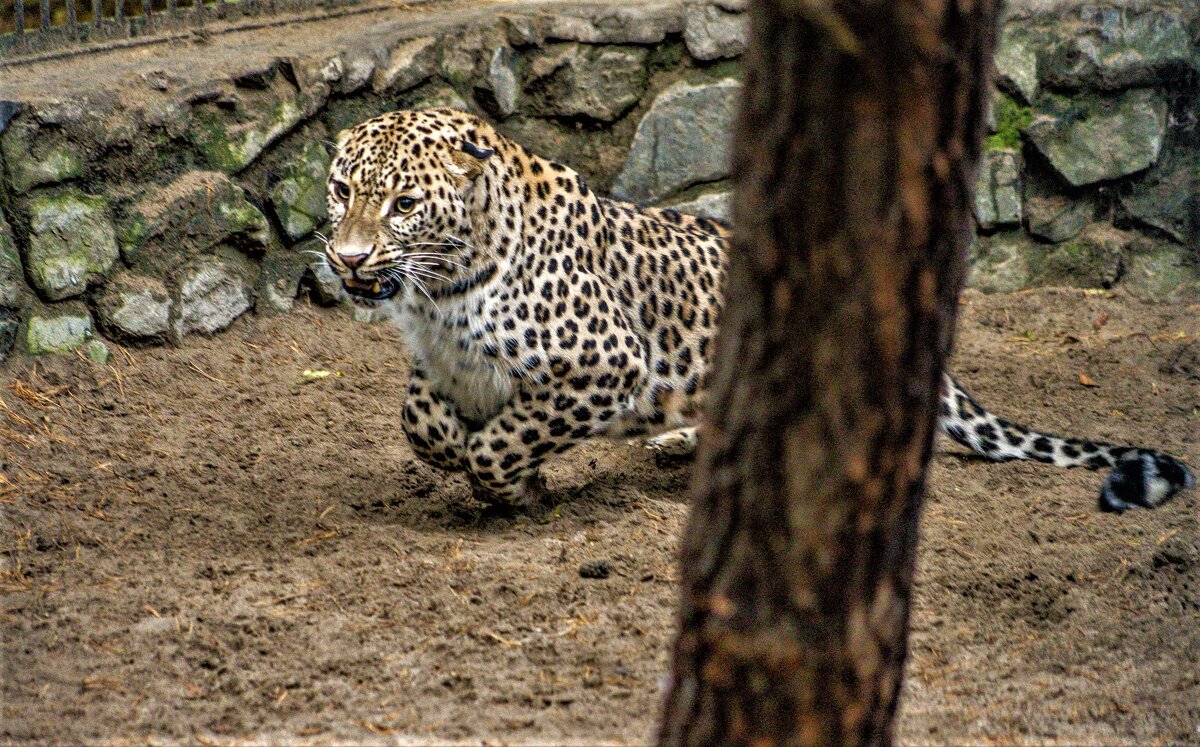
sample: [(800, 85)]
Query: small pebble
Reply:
[(595, 569)]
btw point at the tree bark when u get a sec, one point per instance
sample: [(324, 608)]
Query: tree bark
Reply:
[(854, 156)]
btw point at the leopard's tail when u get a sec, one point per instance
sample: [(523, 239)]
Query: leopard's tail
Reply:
[(1139, 477)]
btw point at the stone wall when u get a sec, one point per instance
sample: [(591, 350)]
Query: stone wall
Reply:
[(168, 204)]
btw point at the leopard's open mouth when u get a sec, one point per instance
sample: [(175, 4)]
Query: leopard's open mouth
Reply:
[(376, 289)]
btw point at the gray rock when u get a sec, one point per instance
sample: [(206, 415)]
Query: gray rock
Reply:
[(356, 68), (1160, 272), (1122, 49), (96, 350), (598, 82), (367, 315), (71, 242), (634, 23), (134, 307), (1090, 260), (713, 34), (522, 31), (39, 156), (712, 205), (298, 198), (999, 263), (682, 140), (1058, 218), (58, 329), (502, 86), (213, 292), (279, 279), (1017, 61), (1092, 139), (1052, 214), (431, 97), (1168, 196), (326, 287), (464, 59), (58, 112), (998, 189), (14, 294), (315, 71), (409, 65)]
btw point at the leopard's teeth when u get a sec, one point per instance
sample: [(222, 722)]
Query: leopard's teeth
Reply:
[(376, 287)]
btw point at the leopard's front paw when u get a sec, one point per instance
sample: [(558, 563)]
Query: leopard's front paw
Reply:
[(521, 495), (676, 443)]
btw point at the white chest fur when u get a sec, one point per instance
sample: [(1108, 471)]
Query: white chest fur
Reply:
[(450, 347)]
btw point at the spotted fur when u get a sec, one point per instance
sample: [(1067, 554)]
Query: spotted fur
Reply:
[(540, 314)]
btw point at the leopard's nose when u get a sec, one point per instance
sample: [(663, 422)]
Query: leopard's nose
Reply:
[(353, 260)]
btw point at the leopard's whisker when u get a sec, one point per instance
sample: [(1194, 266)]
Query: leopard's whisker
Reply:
[(429, 257), (426, 266), (429, 276), (421, 287)]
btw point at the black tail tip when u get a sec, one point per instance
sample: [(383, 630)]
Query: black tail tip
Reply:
[(1144, 479)]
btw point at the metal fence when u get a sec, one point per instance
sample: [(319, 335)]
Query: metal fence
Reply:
[(37, 29)]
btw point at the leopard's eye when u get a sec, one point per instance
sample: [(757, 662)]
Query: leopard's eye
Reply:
[(404, 204), (341, 190)]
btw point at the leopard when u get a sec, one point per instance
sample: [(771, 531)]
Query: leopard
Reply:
[(540, 314)]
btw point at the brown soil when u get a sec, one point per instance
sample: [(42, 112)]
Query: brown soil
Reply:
[(202, 544)]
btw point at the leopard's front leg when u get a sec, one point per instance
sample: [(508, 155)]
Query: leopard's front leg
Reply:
[(582, 398), (433, 427), (503, 457)]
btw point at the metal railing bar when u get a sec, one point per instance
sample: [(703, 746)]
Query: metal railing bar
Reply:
[(41, 26)]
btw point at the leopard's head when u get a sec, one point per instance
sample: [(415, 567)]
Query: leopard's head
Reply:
[(399, 191)]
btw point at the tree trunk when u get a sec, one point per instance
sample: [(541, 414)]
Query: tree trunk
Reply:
[(854, 156)]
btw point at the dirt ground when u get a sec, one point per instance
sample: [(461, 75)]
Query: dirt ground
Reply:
[(202, 544)]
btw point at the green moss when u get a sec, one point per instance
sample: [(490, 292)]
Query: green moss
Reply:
[(1011, 119), (232, 151), (667, 57), (131, 235)]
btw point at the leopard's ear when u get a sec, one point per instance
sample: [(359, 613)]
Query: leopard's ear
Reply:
[(468, 159)]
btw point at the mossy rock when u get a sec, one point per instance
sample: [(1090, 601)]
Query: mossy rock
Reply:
[(1000, 263), (40, 156), (1089, 139), (58, 329), (298, 197), (1161, 272), (232, 139), (72, 242)]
